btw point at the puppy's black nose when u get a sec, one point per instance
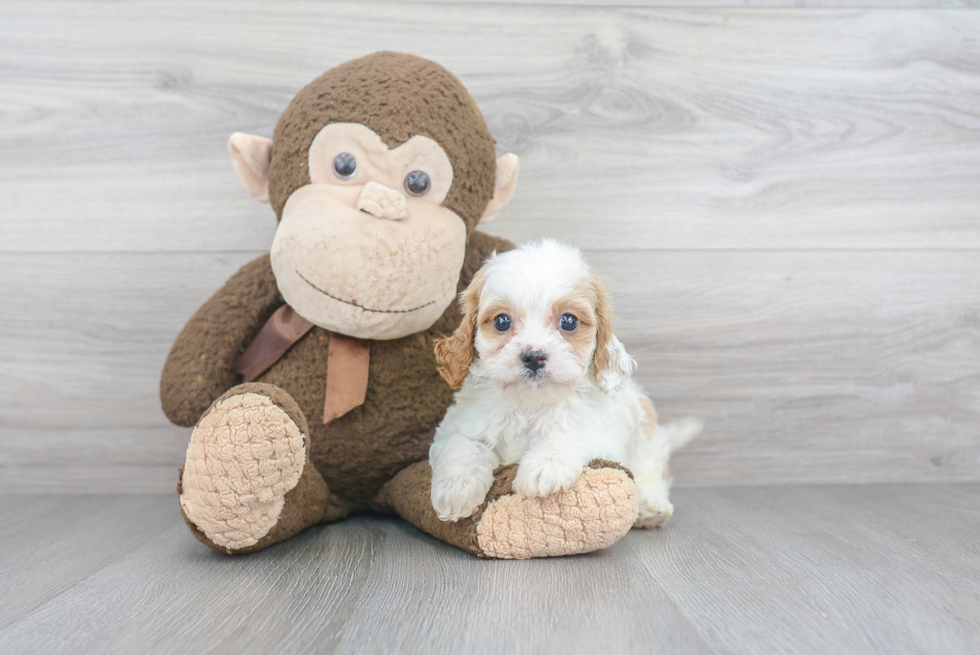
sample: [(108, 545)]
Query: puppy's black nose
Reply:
[(533, 360)]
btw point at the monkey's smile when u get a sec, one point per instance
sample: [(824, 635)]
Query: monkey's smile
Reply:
[(367, 309)]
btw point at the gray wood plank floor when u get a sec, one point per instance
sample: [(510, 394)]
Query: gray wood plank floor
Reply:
[(833, 569)]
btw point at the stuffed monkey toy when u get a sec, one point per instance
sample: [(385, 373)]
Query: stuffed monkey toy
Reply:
[(309, 377)]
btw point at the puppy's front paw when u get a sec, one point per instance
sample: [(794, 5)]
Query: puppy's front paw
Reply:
[(455, 497), (654, 512), (543, 477)]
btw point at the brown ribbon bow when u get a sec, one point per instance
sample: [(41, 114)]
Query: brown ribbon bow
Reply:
[(348, 360)]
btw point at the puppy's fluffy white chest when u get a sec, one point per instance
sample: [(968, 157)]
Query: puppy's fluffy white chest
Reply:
[(584, 422)]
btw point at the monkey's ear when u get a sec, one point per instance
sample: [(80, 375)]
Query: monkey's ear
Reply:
[(251, 157), (503, 186)]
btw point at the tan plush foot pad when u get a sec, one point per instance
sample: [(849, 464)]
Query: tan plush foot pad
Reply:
[(244, 455), (598, 510)]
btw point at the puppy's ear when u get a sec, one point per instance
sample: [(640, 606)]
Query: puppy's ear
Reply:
[(611, 364), (455, 354)]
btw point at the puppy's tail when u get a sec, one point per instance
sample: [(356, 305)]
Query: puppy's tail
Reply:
[(680, 432)]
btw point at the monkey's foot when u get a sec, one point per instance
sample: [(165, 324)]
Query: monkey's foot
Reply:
[(599, 509), (596, 512), (247, 481)]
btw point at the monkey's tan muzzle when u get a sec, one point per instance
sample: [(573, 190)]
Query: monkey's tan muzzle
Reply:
[(383, 202)]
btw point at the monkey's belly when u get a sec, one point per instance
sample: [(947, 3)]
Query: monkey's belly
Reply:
[(360, 451)]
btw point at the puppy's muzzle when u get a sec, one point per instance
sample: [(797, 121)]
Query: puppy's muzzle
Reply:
[(534, 360)]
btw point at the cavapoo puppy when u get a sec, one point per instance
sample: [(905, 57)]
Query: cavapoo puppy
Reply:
[(543, 382)]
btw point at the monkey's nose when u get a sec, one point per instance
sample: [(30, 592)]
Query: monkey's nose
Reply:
[(383, 202), (533, 360)]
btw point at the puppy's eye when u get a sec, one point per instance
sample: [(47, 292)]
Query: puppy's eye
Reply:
[(568, 322), (501, 323), (417, 183), (345, 165)]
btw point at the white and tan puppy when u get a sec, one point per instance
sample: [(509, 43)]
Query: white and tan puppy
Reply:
[(543, 382)]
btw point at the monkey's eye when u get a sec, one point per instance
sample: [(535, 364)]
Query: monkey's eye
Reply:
[(568, 322), (501, 323), (345, 165), (417, 183)]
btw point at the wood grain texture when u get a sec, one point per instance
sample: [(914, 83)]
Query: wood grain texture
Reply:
[(49, 544), (806, 366), (750, 570), (783, 201), (638, 128), (825, 569)]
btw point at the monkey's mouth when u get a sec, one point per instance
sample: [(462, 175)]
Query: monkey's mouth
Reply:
[(362, 307)]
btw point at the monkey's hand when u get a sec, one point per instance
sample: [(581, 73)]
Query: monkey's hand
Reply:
[(200, 366)]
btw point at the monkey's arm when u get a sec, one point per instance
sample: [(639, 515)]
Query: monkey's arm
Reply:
[(479, 247), (199, 367)]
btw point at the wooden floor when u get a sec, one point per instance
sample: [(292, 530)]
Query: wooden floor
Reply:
[(832, 569)]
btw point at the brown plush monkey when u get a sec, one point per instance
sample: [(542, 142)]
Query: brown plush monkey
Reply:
[(310, 376)]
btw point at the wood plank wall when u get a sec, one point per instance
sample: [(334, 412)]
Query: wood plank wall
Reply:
[(784, 201)]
